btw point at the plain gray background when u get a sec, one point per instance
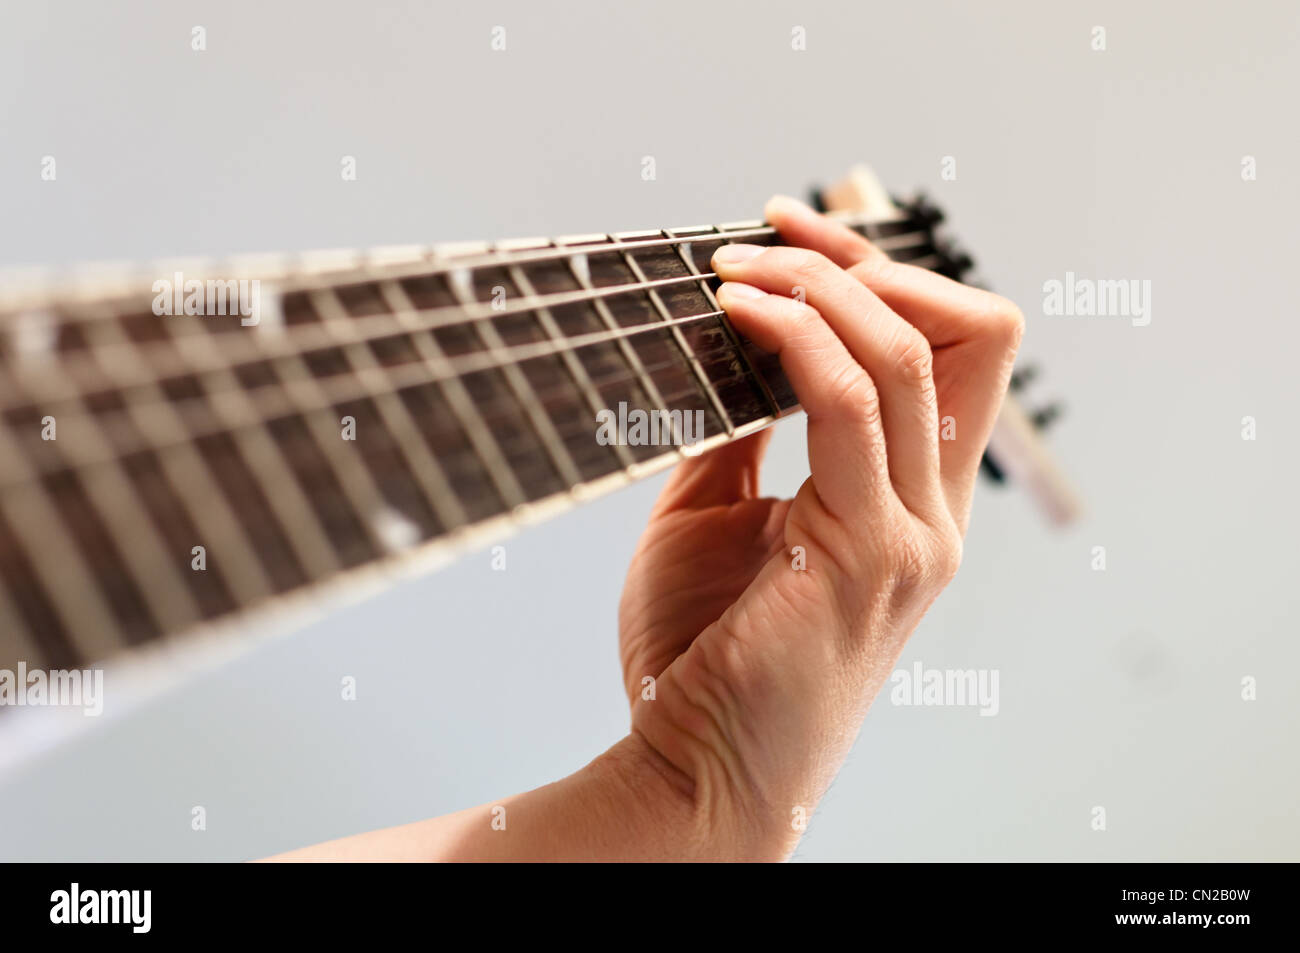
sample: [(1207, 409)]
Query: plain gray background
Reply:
[(1119, 688)]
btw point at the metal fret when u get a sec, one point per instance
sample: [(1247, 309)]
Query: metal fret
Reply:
[(218, 415), (57, 560), (741, 356), (630, 355), (307, 337), (230, 403), (457, 397), (577, 372), (143, 550), (688, 352), (421, 464), (25, 646), (221, 531), (522, 390), (362, 496)]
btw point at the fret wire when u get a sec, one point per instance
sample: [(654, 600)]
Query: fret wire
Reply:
[(189, 476), (423, 467), (93, 466), (143, 550), (339, 392), (16, 635), (438, 367), (310, 337), (305, 394), (505, 258), (120, 504), (501, 257), (306, 535), (730, 331), (577, 372), (630, 356), (523, 391), (688, 352), (619, 334), (57, 560), (287, 280), (48, 386), (25, 527)]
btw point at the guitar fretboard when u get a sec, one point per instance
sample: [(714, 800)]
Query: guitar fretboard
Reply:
[(158, 471)]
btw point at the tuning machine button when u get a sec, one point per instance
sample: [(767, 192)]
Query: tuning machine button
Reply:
[(924, 212), (954, 262), (1022, 377), (1044, 417)]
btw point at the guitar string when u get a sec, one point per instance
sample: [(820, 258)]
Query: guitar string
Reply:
[(338, 391), (502, 358), (161, 362), (341, 389), (276, 340), (439, 261)]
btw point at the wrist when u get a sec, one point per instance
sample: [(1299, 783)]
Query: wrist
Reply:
[(684, 808)]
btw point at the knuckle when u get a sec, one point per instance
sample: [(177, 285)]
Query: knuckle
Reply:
[(803, 264), (1005, 321), (856, 397), (876, 268), (803, 316), (914, 359), (909, 562), (921, 564)]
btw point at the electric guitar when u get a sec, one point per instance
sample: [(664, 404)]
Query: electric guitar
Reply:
[(190, 442)]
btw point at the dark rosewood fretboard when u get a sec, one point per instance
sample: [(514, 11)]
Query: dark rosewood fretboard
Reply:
[(472, 377)]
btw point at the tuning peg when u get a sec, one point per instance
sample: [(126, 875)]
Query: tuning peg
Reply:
[(921, 208), (1045, 416), (953, 261), (1022, 377), (990, 469)]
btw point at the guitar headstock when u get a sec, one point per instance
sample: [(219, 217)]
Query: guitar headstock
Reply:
[(1016, 452)]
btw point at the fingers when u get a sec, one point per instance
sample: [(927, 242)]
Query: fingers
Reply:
[(895, 356), (800, 226), (728, 474), (973, 334), (947, 312), (846, 444)]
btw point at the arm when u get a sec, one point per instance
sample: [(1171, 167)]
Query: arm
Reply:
[(767, 626)]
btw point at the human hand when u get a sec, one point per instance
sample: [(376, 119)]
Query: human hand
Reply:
[(764, 671)]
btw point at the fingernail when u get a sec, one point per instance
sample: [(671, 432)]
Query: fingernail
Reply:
[(734, 254), (737, 289)]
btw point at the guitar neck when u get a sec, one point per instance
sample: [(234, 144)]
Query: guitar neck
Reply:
[(191, 441)]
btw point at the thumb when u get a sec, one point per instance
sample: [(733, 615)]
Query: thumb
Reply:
[(726, 475)]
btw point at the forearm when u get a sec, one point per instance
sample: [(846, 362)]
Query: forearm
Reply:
[(627, 804)]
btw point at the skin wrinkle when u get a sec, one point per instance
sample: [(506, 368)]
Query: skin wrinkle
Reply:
[(706, 758), (736, 724), (765, 673)]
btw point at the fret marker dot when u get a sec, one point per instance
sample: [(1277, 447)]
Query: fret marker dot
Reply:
[(462, 281), (394, 530), (581, 269)]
